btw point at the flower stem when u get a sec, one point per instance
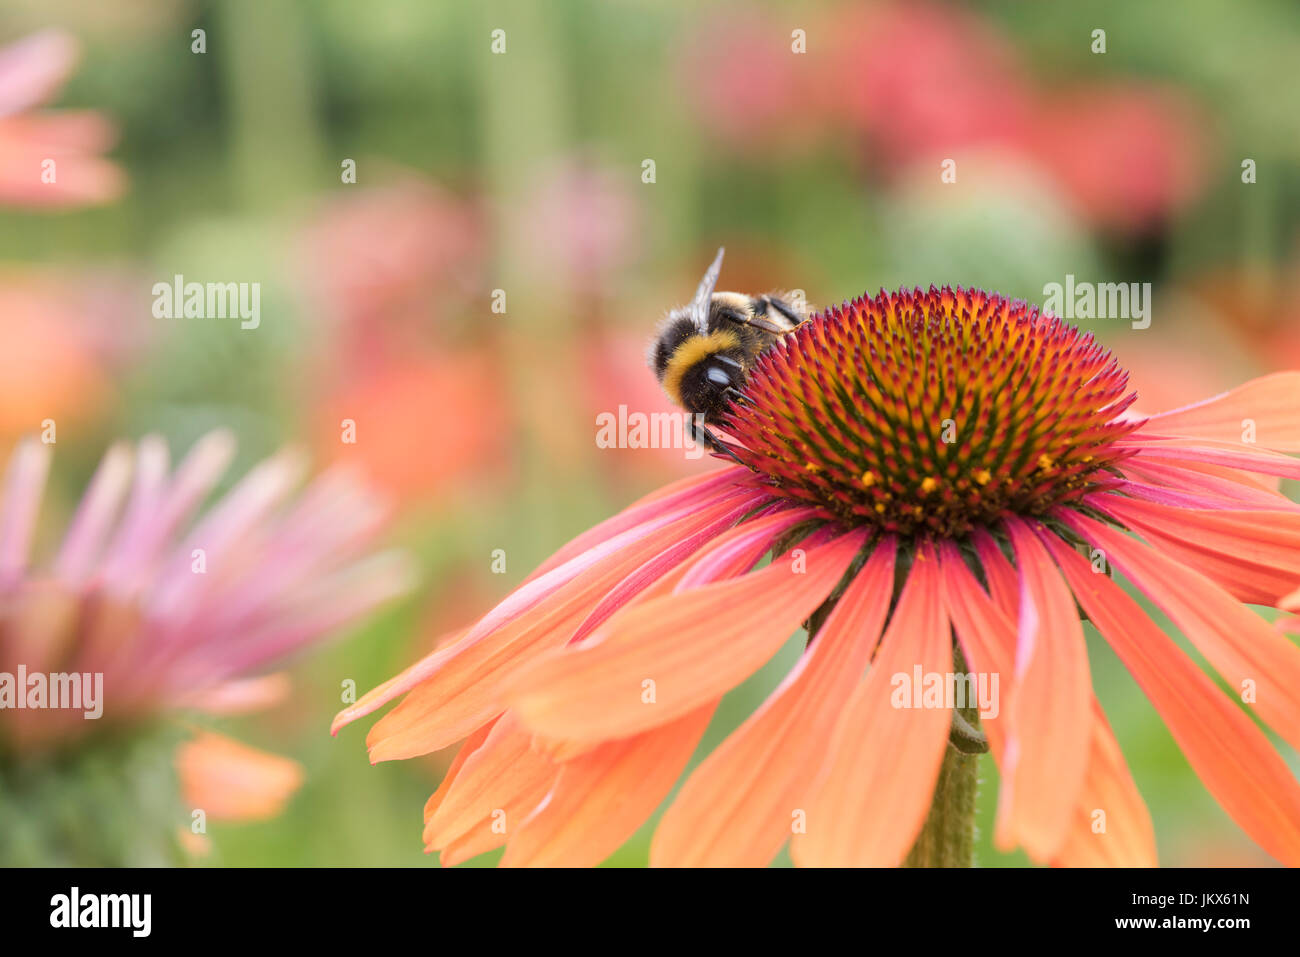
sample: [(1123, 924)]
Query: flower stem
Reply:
[(947, 838)]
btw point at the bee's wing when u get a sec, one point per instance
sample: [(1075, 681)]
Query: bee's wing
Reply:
[(704, 294)]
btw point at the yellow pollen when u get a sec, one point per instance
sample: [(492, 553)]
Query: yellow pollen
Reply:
[(929, 485), (984, 476), (869, 479), (1045, 462)]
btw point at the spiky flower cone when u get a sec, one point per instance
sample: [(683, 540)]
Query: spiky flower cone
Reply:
[(935, 412)]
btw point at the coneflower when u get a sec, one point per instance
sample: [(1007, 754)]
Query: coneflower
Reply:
[(162, 614), (943, 480)]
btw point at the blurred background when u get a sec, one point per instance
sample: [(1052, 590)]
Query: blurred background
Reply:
[(579, 182)]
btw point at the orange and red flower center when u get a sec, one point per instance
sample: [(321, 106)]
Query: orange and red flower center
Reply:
[(934, 411)]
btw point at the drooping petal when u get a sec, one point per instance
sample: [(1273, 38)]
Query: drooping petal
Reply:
[(1049, 718), (1004, 583), (1254, 554), (688, 491), (467, 748), (1269, 403), (736, 808), (987, 633), (459, 669), (664, 657), (1229, 753), (1222, 491), (1238, 643), (730, 555), (655, 569), (601, 797), (1111, 825), (1244, 457), (495, 789), (874, 789)]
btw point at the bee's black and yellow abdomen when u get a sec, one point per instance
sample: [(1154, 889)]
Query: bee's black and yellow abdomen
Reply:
[(687, 372)]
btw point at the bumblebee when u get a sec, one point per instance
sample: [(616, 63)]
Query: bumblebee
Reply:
[(704, 352)]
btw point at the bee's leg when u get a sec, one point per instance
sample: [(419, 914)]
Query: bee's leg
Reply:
[(701, 435), (735, 395), (784, 310)]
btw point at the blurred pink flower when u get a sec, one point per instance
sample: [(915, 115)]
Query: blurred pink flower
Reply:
[(923, 79), (175, 613), (378, 263), (50, 159), (581, 224), (740, 73), (1129, 155)]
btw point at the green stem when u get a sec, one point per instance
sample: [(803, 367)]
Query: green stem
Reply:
[(948, 837)]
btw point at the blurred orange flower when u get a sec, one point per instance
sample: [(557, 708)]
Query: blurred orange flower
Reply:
[(421, 425), (64, 331), (232, 781)]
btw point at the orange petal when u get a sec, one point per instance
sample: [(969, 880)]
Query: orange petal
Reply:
[(1004, 583), (1227, 488), (603, 796), (1270, 402), (232, 781), (1253, 481), (667, 656), (1237, 642), (470, 745), (496, 788), (1111, 826), (1227, 750), (875, 788), (465, 689), (692, 490), (1049, 718), (988, 638), (531, 596), (1189, 452), (735, 810), (1253, 554)]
